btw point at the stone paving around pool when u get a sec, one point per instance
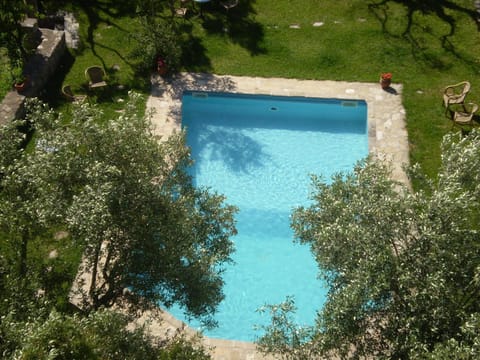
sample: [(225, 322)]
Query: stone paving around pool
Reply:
[(387, 134)]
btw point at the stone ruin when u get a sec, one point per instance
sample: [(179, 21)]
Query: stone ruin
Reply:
[(50, 37)]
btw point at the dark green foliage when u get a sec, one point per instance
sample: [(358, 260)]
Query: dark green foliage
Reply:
[(114, 193), (283, 336), (465, 347), (100, 335), (402, 267), (126, 199), (12, 12), (156, 38), (181, 348)]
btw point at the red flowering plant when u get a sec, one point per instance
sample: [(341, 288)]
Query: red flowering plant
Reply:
[(386, 76), (161, 66), (160, 62)]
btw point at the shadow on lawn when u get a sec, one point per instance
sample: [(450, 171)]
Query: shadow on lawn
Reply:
[(115, 93), (93, 9), (237, 24), (438, 8)]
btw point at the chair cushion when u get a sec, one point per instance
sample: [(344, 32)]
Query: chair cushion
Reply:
[(98, 84)]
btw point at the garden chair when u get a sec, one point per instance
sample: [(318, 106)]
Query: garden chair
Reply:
[(183, 9), (70, 96), (465, 117), (96, 77), (181, 12), (455, 94), (228, 4)]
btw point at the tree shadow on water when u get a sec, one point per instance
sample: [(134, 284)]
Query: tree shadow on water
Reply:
[(239, 152)]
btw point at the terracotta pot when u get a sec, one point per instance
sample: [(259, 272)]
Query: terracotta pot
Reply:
[(20, 86), (161, 66), (385, 83), (162, 70)]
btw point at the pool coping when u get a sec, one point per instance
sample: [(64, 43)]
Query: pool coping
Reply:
[(387, 136)]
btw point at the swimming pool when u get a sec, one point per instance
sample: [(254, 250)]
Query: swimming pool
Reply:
[(259, 151)]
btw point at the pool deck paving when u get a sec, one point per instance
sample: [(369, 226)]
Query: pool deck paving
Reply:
[(388, 140)]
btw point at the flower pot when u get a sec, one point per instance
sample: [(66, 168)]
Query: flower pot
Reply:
[(20, 86), (385, 80), (385, 83), (162, 70), (161, 66)]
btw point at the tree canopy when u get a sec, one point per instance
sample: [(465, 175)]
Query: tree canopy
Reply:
[(402, 267), (102, 334), (126, 199)]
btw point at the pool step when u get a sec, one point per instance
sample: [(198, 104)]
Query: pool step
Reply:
[(349, 103), (200, 95)]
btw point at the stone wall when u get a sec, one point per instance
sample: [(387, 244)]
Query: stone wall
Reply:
[(45, 61), (39, 69), (11, 107)]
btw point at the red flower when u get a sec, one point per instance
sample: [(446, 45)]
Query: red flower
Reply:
[(386, 76)]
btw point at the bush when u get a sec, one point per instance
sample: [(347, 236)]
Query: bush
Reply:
[(155, 39), (101, 335)]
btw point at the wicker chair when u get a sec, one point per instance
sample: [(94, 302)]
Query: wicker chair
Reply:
[(183, 9), (96, 77), (228, 4), (70, 96), (455, 94), (181, 12), (465, 117)]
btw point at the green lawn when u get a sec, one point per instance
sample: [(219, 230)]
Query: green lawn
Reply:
[(426, 45), (5, 76)]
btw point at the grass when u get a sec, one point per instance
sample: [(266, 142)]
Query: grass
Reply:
[(105, 41), (6, 80), (426, 45)]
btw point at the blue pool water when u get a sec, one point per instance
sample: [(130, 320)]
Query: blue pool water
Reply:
[(259, 151)]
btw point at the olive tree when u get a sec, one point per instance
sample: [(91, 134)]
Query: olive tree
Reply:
[(127, 199), (156, 38), (102, 334), (402, 267)]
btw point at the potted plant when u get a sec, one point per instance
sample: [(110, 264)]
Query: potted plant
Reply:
[(161, 66), (19, 79), (385, 80)]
